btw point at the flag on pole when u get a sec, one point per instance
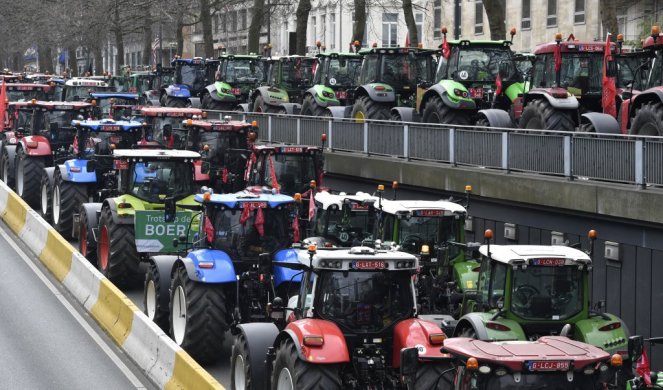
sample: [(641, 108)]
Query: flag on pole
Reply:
[(446, 49), (155, 50), (609, 87)]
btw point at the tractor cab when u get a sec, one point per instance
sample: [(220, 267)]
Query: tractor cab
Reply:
[(103, 136), (191, 73), (115, 105), (164, 126), (338, 72), (525, 292), (20, 92), (52, 121), (225, 146), (79, 89), (235, 77), (343, 220)]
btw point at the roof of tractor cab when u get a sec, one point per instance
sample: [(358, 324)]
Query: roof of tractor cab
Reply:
[(155, 154), (431, 207), (170, 111), (340, 54), (327, 199), (573, 47), (59, 106), (293, 57), (85, 82), (286, 149), (240, 57), (521, 254), (360, 258), (240, 199), (112, 95), (108, 125), (217, 125), (189, 61), (396, 50), (513, 354), (649, 42), (478, 42), (28, 87)]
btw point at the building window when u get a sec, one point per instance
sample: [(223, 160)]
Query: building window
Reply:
[(551, 20), (233, 22), (242, 19), (222, 22), (579, 15), (314, 23), (389, 29), (478, 17), (419, 20), (332, 19), (437, 19), (526, 22)]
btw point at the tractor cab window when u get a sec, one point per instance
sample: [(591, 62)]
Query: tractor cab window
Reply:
[(105, 104), (168, 132), (401, 70), (580, 73), (192, 76), (225, 148), (369, 69), (481, 64), (656, 72), (349, 226), (442, 68), (22, 119), (293, 172), (342, 72), (154, 180), (364, 302), (244, 71), (56, 125), (547, 292), (297, 72), (414, 232), (81, 93), (492, 281), (629, 69), (23, 96)]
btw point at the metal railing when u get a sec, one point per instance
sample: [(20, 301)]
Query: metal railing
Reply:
[(605, 157)]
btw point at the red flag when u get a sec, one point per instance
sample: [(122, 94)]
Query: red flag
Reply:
[(643, 368), (407, 39), (558, 58), (246, 214), (446, 49), (209, 230), (295, 229), (498, 85), (311, 204), (609, 88), (259, 223), (3, 104), (275, 183)]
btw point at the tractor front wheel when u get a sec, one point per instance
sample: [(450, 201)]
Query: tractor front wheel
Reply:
[(541, 115), (87, 245), (67, 198), (117, 257), (240, 365), (175, 102), (28, 177), (311, 108), (198, 316), (648, 120), (435, 111), (365, 108), (152, 298), (290, 372)]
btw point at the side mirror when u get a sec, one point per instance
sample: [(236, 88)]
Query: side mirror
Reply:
[(91, 166), (170, 209), (611, 68), (635, 347), (205, 168), (409, 362)]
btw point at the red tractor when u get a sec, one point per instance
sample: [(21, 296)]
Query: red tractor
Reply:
[(354, 313), (17, 92)]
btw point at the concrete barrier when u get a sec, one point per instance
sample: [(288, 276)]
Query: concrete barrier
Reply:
[(164, 362)]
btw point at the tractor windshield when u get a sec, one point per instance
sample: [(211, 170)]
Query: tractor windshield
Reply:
[(405, 69), (193, 76), (105, 104), (22, 96), (630, 68), (580, 74), (655, 78), (80, 93), (297, 73), (411, 233), (248, 232), (476, 64), (293, 172), (547, 292), (364, 302), (342, 72), (348, 227), (155, 180), (168, 132), (219, 142), (241, 71)]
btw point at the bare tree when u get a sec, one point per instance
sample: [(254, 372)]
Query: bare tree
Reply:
[(256, 26), (303, 10), (609, 16), (359, 28), (410, 22), (496, 12)]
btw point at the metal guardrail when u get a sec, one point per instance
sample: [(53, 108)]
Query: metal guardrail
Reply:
[(605, 157)]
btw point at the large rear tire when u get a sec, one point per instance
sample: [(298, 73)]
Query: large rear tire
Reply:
[(240, 365), (6, 173), (87, 245), (117, 258), (67, 197), (541, 115), (28, 177), (292, 373), (365, 108), (45, 192), (648, 120), (175, 102), (198, 316), (435, 111), (311, 108), (434, 376), (152, 298), (207, 103)]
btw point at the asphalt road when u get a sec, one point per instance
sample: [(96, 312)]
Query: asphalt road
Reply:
[(46, 339)]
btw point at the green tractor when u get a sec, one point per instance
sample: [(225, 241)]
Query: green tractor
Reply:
[(235, 77), (129, 225), (525, 292), (477, 82), (287, 79), (334, 83)]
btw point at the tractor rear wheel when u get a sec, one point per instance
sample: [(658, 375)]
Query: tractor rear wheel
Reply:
[(365, 108), (311, 108), (175, 102), (28, 177), (67, 198), (541, 115), (198, 316), (117, 258), (7, 174), (648, 120), (290, 372), (207, 103), (45, 191), (152, 298), (434, 376), (240, 365), (435, 111), (87, 245)]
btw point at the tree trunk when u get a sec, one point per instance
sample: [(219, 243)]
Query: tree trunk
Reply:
[(206, 21), (410, 22), (609, 17), (72, 63), (45, 59), (495, 9), (303, 10), (119, 38), (180, 36), (98, 58), (256, 26), (358, 30), (147, 36)]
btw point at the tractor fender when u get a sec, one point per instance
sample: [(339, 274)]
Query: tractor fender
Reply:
[(497, 118), (82, 176), (406, 114), (611, 340), (291, 108), (654, 94), (316, 92), (11, 153), (441, 91), (477, 321), (164, 265), (242, 107), (272, 96), (259, 337), (195, 102), (92, 211), (563, 103), (377, 96), (333, 350), (223, 270), (110, 203), (339, 112), (178, 91), (36, 145), (603, 123), (286, 275), (415, 332), (50, 173)]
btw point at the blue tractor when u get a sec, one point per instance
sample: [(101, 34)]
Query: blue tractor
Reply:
[(230, 271), (191, 78), (64, 187)]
